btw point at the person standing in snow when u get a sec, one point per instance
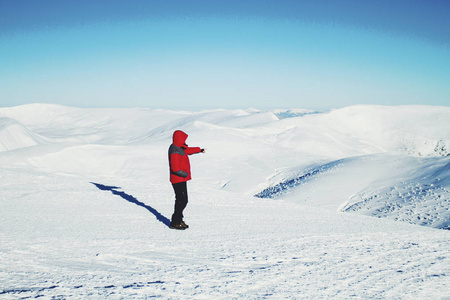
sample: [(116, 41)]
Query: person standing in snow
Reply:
[(180, 173)]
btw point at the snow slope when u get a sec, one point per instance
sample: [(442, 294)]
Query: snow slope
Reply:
[(14, 135), (85, 204)]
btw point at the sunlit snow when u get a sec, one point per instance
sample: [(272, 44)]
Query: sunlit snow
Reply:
[(349, 203)]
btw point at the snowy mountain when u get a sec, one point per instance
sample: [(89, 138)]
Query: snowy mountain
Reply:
[(278, 204)]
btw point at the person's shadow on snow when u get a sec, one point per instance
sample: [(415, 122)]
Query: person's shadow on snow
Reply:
[(131, 199)]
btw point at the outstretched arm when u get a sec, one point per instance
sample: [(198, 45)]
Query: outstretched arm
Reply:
[(193, 150)]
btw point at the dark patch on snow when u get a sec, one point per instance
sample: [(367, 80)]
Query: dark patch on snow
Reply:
[(131, 199), (441, 148), (105, 187), (106, 287), (292, 114), (26, 290), (134, 285)]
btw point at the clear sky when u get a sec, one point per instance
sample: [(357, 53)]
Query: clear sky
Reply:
[(192, 54)]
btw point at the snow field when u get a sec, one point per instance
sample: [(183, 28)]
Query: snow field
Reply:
[(85, 202), (66, 238)]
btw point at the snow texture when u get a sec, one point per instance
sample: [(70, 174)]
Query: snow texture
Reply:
[(282, 204)]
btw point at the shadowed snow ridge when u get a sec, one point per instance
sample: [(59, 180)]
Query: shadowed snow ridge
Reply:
[(408, 189), (283, 187)]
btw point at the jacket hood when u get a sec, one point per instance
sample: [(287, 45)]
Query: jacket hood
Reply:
[(179, 138)]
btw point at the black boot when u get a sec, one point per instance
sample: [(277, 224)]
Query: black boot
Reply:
[(186, 226), (176, 226)]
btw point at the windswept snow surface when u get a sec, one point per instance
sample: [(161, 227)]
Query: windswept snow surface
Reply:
[(85, 204)]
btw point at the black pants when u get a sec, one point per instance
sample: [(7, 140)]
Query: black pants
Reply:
[(181, 200)]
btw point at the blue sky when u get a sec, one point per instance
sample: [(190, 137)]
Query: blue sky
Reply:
[(224, 54)]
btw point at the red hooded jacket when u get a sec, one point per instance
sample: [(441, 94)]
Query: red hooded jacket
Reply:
[(180, 169)]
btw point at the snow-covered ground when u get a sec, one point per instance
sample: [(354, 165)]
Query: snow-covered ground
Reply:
[(284, 204)]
